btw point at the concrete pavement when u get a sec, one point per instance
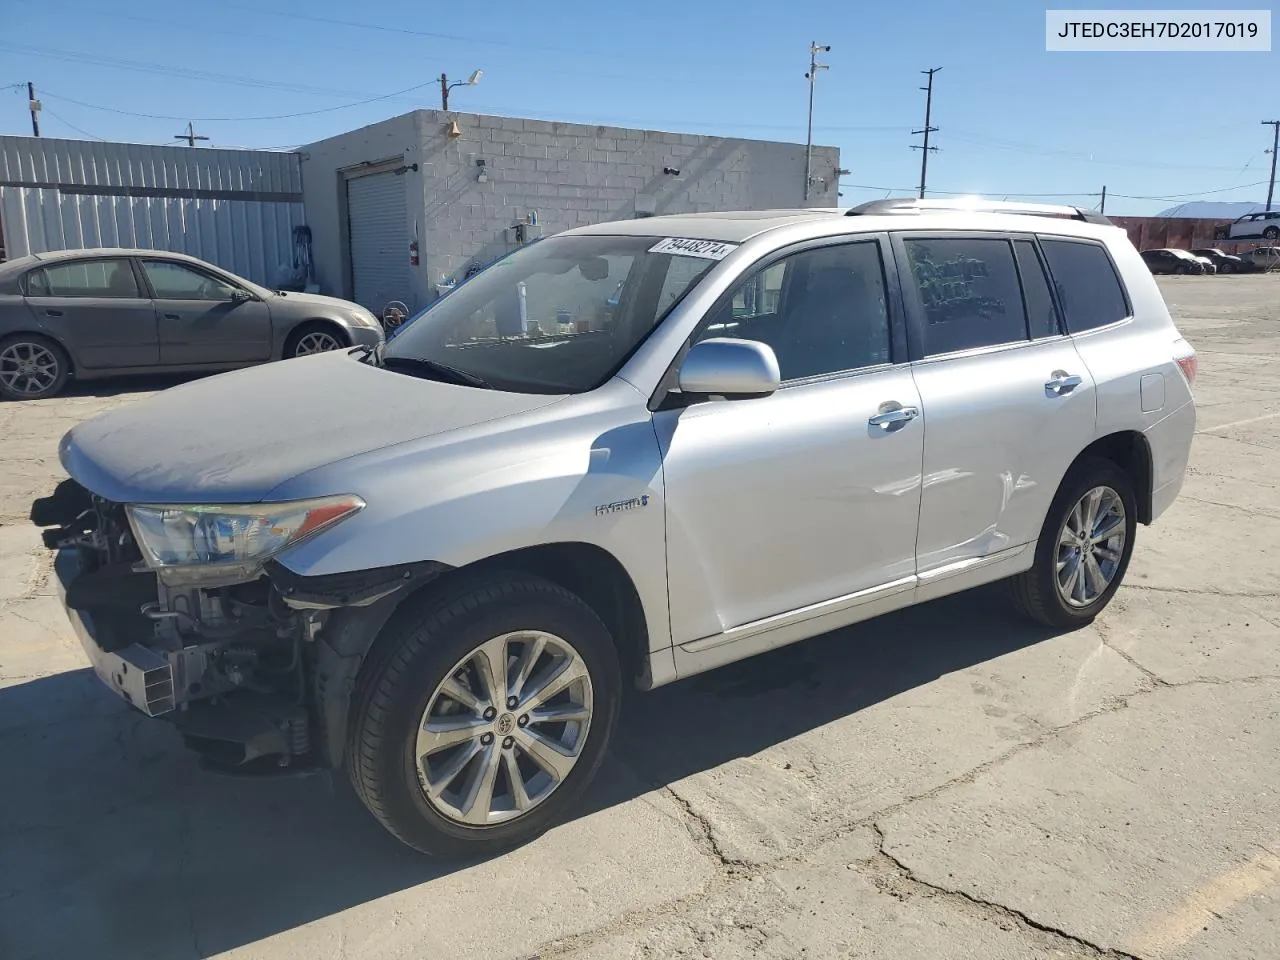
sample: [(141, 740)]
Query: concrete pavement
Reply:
[(947, 782)]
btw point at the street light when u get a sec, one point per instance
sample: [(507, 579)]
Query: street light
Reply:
[(814, 49), (446, 86)]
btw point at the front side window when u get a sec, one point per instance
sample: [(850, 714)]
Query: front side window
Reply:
[(558, 316), (1087, 285), (822, 311), (968, 291), (100, 279), (176, 281)]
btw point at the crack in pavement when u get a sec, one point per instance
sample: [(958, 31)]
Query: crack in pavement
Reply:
[(1247, 511), (703, 833), (1017, 917), (1204, 592)]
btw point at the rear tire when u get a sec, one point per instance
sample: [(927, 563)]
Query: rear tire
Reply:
[(422, 701), (32, 367), (1041, 592), (1271, 233)]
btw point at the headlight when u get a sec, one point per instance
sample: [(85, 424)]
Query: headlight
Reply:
[(362, 318), (182, 535)]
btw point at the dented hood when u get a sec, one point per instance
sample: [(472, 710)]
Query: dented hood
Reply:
[(235, 437)]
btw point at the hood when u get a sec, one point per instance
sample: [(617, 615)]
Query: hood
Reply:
[(237, 436), (315, 300)]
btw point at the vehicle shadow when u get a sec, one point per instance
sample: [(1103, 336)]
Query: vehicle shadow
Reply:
[(114, 843), (129, 383)]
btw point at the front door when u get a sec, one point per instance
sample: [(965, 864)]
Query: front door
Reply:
[(98, 309), (1009, 401), (201, 320), (812, 493)]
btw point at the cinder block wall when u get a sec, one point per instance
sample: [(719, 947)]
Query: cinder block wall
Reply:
[(575, 174), (569, 174)]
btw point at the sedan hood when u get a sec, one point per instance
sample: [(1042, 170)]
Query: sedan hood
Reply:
[(237, 436), (303, 300)]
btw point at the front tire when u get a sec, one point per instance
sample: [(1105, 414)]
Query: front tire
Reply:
[(1271, 233), (482, 713), (314, 338), (32, 367), (1084, 547)]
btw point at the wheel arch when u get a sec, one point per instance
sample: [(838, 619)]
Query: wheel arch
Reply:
[(590, 572), (1131, 452), (303, 327), (45, 335)]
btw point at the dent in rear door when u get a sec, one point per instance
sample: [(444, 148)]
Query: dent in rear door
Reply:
[(1007, 414)]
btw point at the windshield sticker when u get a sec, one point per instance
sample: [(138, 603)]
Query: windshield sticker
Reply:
[(706, 249)]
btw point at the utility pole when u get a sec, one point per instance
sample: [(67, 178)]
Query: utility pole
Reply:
[(811, 76), (34, 104), (190, 136), (1275, 144), (1103, 208), (928, 113), (444, 92)]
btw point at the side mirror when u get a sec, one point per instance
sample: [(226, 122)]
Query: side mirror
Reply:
[(730, 368), (241, 296)]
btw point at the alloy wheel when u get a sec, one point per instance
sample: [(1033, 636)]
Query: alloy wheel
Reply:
[(28, 368), (317, 342), (1091, 546), (504, 729)]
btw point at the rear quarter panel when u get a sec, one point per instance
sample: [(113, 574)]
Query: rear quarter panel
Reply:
[(1120, 356)]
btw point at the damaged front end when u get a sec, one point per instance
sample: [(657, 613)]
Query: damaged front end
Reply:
[(187, 616)]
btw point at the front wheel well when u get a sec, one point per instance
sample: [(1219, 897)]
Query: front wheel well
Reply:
[(596, 577), (1130, 451), (311, 326)]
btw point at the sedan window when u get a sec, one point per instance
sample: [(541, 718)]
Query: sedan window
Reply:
[(111, 279), (176, 281)]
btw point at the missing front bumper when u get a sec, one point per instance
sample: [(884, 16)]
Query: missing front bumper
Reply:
[(139, 675)]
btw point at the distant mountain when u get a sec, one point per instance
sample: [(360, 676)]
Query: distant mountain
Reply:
[(1212, 210)]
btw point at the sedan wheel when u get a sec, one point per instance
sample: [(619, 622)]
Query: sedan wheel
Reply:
[(504, 729), (318, 341), (1090, 546), (30, 369)]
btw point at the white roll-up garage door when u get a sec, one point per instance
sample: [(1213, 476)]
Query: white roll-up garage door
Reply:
[(379, 239)]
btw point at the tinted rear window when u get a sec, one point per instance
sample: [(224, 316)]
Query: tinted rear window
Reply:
[(1042, 317), (968, 289), (1087, 285)]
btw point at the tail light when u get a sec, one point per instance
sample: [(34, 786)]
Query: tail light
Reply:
[(1188, 362)]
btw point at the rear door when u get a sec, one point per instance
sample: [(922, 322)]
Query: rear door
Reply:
[(98, 308), (1008, 401), (200, 318)]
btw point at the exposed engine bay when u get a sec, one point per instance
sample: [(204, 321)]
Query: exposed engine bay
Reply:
[(233, 658)]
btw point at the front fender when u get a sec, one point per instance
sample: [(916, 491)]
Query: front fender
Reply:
[(460, 498)]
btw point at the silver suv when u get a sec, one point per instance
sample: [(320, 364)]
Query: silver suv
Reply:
[(627, 453)]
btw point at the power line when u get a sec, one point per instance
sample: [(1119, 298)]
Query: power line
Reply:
[(118, 63), (1198, 193), (68, 123), (278, 116), (1016, 147)]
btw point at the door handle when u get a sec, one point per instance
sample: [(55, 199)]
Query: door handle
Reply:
[(1062, 382), (173, 316), (53, 313), (891, 417)]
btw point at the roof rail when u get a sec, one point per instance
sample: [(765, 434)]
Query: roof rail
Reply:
[(898, 205)]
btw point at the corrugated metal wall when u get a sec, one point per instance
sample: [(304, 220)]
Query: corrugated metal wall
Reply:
[(234, 208)]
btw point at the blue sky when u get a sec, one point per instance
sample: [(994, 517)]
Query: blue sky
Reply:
[(1013, 118)]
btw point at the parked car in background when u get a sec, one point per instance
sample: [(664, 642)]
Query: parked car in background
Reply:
[(1171, 261), (1265, 225), (762, 441), (95, 313), (1266, 258), (1208, 265), (1225, 262)]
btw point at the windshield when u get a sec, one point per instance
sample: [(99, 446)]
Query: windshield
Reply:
[(559, 316)]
